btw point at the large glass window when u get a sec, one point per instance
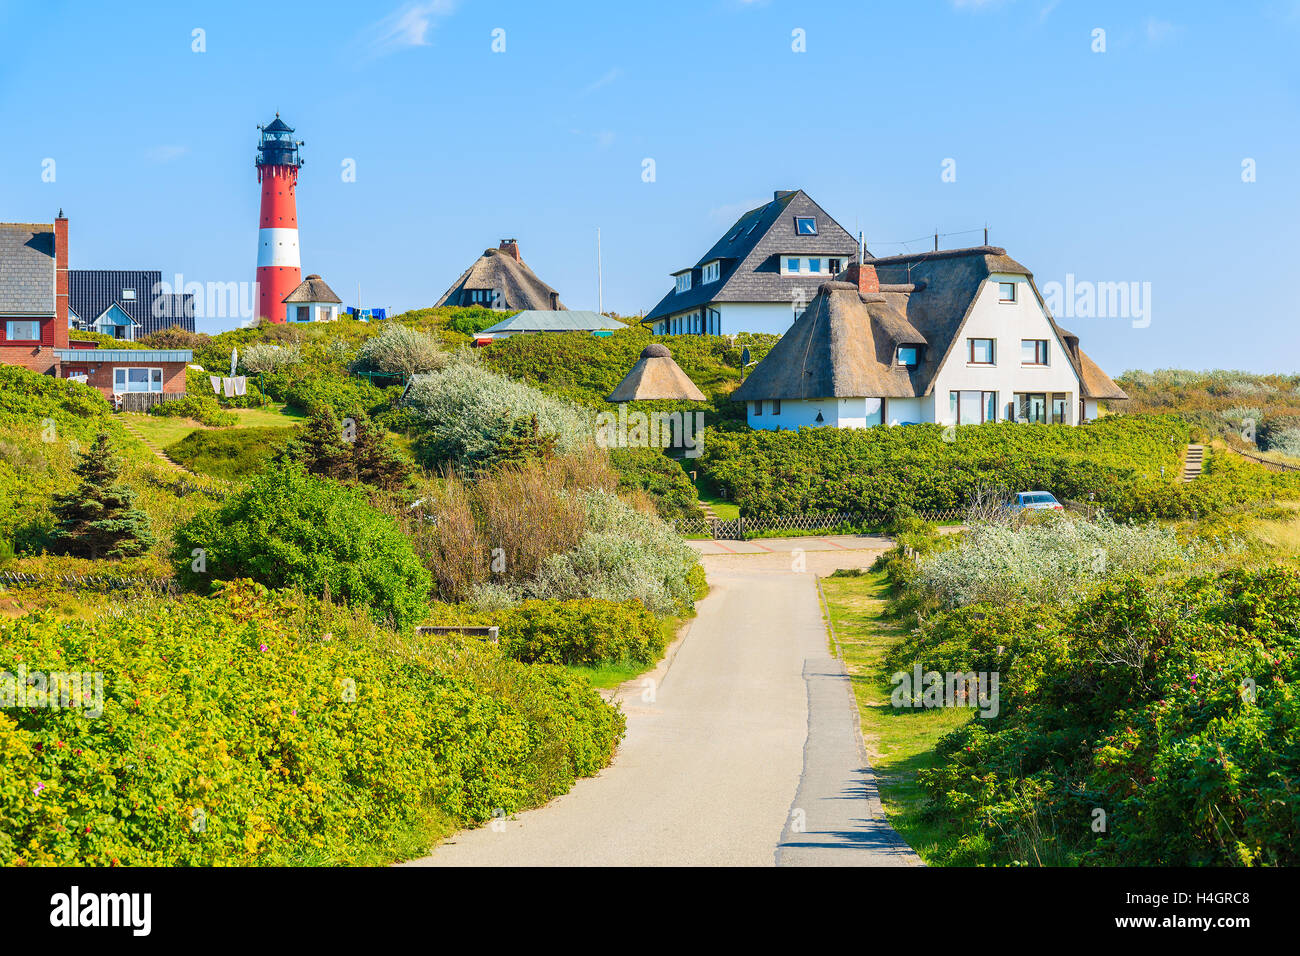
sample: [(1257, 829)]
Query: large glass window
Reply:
[(875, 411), (137, 380), (1031, 407), (1060, 408), (23, 330), (971, 407)]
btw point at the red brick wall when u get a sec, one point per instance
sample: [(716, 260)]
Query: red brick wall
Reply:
[(60, 323), (28, 356), (102, 375)]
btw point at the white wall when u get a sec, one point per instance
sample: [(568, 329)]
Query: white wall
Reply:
[(900, 411), (1006, 323)]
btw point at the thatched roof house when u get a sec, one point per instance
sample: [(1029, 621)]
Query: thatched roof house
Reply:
[(500, 279), (950, 337), (656, 376)]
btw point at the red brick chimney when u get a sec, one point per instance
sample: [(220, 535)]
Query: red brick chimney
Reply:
[(510, 247), (863, 276), (61, 281)]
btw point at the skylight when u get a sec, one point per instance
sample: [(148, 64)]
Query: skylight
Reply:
[(805, 226)]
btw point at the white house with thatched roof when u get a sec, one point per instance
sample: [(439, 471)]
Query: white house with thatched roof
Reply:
[(312, 301), (955, 337)]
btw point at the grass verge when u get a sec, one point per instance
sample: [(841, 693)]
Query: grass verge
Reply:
[(899, 742)]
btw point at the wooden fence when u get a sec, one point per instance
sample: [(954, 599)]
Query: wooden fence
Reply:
[(89, 582), (143, 401)]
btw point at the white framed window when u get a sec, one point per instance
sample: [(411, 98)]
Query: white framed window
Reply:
[(1006, 292), (23, 330), (128, 295), (710, 273), (972, 408), (805, 226), (791, 265), (683, 282), (128, 378), (1033, 351)]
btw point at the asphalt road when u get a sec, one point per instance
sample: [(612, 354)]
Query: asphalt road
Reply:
[(742, 747)]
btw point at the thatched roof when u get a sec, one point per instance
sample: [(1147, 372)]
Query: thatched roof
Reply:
[(312, 289), (843, 345), (656, 376), (501, 269), (845, 342)]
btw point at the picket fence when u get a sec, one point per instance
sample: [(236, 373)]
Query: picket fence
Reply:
[(89, 582)]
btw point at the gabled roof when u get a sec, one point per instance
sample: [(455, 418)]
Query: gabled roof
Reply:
[(519, 286), (92, 291), (843, 345), (27, 265), (750, 254), (568, 320), (312, 289), (656, 376)]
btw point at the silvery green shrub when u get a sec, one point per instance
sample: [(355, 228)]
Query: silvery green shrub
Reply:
[(1054, 561), (399, 350), (469, 410), (265, 357)]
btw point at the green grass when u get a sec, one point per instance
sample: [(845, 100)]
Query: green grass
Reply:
[(230, 453), (899, 742), (271, 415), (164, 431), (725, 510), (609, 676)]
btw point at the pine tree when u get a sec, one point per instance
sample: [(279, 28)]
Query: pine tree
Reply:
[(99, 519), (522, 442), (321, 448), (374, 459)]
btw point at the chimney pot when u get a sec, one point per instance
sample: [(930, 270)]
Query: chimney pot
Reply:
[(511, 247), (864, 277)]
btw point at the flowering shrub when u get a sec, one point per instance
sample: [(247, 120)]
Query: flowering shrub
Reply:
[(262, 729)]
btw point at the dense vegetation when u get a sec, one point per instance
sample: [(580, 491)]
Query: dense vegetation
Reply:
[(257, 728), (1129, 465)]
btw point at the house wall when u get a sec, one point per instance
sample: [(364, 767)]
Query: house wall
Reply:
[(36, 358), (908, 411), (1006, 323), (100, 374)]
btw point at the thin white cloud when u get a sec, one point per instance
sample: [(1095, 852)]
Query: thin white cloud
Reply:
[(1158, 31), (407, 26), (1046, 12), (604, 81)]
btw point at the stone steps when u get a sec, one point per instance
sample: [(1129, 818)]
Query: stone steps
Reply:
[(1193, 462)]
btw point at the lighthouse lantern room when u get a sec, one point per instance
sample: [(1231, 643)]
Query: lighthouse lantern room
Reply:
[(279, 265)]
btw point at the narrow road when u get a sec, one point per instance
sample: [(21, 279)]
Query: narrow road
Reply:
[(742, 748)]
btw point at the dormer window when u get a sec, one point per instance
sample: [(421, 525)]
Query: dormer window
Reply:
[(128, 295), (909, 356), (684, 281), (710, 272), (805, 226)]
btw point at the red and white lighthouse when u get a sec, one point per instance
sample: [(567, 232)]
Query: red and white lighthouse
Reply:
[(279, 265)]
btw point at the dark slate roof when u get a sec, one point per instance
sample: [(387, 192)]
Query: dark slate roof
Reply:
[(278, 125), (497, 269), (27, 265), (91, 291), (312, 289), (750, 251)]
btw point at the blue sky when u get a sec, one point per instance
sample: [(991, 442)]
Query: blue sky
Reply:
[(1115, 166)]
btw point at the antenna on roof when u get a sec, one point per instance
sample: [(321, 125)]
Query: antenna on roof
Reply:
[(986, 233), (862, 249), (936, 240), (600, 285)]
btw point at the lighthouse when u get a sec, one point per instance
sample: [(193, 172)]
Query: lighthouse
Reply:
[(279, 266)]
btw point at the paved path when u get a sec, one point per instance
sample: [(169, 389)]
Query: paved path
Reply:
[(830, 542), (747, 753)]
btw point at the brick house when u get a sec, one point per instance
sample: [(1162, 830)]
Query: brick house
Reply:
[(34, 321)]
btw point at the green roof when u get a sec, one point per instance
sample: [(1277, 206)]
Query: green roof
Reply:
[(571, 320)]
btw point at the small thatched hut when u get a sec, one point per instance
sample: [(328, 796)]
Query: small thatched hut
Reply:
[(656, 376)]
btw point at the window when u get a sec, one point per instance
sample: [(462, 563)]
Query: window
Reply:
[(981, 352), (814, 265), (1006, 292), (24, 330), (805, 226), (907, 355), (1033, 351), (128, 295), (971, 408), (304, 313), (835, 266), (1031, 407), (791, 265), (126, 379), (776, 406), (875, 409), (758, 409), (711, 272), (684, 281), (1060, 408)]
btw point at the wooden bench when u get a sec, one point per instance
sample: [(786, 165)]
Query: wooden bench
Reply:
[(491, 633)]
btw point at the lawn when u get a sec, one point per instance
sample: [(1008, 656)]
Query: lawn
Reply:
[(725, 510), (899, 742), (163, 431)]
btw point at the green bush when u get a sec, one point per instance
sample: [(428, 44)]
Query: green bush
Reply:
[(256, 729), (202, 408), (661, 477), (291, 529), (231, 453)]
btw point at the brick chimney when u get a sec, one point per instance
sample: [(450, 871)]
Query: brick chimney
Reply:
[(510, 247), (61, 281), (863, 276), (555, 302)]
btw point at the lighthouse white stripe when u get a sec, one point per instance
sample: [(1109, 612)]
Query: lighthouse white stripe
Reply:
[(277, 247)]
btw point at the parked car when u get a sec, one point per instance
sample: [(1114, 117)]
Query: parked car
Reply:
[(1035, 501)]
